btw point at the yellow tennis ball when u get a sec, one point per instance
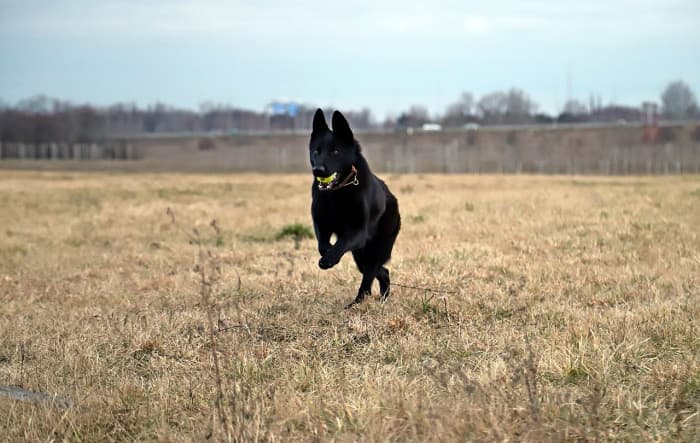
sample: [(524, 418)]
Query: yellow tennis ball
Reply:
[(328, 179)]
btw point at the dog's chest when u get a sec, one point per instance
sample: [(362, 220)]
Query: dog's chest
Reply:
[(336, 213)]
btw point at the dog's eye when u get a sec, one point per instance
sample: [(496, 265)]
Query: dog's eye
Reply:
[(316, 151), (335, 151)]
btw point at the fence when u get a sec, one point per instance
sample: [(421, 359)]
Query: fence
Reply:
[(544, 150), (107, 150)]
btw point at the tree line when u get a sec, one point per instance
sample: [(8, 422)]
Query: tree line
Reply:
[(41, 119), (514, 106)]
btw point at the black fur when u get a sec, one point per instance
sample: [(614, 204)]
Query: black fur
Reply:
[(363, 214)]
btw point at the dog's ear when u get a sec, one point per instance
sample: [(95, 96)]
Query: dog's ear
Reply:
[(341, 128), (319, 124)]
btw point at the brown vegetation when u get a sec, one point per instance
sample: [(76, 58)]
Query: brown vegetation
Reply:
[(176, 308)]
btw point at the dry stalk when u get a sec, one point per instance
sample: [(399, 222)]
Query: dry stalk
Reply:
[(209, 272), (527, 370)]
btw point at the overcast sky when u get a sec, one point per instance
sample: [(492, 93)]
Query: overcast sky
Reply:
[(386, 55)]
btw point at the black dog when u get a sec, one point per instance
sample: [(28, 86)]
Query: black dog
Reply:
[(348, 200)]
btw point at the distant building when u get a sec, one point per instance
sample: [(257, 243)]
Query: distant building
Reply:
[(617, 114)]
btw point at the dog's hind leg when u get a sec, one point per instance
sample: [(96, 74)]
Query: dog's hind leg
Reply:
[(383, 278), (368, 277)]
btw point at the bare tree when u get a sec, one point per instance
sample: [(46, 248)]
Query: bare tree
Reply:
[(519, 106), (37, 104), (514, 106), (574, 112), (575, 107), (460, 112), (416, 116), (361, 119), (492, 106), (678, 100), (87, 124)]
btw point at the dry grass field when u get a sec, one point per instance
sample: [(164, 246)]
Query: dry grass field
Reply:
[(170, 307)]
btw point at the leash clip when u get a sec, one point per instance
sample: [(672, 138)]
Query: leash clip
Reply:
[(356, 181)]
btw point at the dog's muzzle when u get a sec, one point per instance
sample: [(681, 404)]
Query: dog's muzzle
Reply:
[(331, 182), (326, 183)]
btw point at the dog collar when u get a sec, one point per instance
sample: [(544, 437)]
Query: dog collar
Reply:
[(351, 179)]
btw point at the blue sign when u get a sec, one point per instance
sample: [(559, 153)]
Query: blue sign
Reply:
[(279, 108)]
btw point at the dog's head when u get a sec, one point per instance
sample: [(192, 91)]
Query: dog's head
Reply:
[(332, 153)]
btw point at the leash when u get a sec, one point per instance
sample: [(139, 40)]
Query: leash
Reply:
[(420, 288)]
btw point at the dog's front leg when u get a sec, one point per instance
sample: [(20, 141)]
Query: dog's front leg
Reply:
[(323, 236), (332, 256), (343, 245)]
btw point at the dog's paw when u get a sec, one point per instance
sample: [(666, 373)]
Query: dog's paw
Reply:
[(357, 301), (326, 262)]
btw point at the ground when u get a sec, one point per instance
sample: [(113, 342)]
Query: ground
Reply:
[(182, 307)]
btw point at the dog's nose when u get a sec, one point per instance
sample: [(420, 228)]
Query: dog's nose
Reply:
[(318, 170)]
